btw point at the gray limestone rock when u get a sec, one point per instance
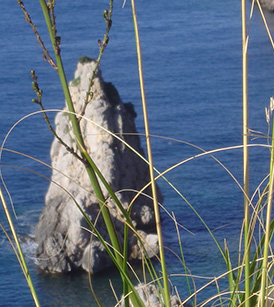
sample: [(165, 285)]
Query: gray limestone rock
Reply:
[(269, 4), (150, 295), (64, 239)]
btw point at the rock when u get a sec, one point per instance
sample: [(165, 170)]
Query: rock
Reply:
[(151, 296), (64, 243), (268, 4), (150, 245)]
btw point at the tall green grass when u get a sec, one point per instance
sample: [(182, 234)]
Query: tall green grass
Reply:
[(250, 281)]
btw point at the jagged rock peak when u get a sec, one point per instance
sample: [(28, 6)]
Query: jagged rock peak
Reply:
[(64, 244)]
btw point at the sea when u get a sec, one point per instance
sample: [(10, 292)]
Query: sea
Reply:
[(192, 71)]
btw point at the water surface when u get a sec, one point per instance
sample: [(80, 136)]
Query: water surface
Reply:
[(192, 70)]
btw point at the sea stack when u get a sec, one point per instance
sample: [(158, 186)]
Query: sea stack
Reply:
[(64, 239)]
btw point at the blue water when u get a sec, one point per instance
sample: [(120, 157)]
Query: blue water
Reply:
[(192, 70)]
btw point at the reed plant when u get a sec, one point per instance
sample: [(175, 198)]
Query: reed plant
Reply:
[(250, 281)]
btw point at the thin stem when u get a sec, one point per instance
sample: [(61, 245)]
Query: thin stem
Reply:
[(245, 156), (150, 159), (20, 252), (39, 94), (268, 233), (90, 166), (102, 45), (78, 136), (46, 54)]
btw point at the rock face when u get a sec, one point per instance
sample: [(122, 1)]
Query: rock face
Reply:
[(64, 244), (269, 4), (150, 295)]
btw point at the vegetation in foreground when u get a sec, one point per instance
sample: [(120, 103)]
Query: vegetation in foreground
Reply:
[(250, 282)]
